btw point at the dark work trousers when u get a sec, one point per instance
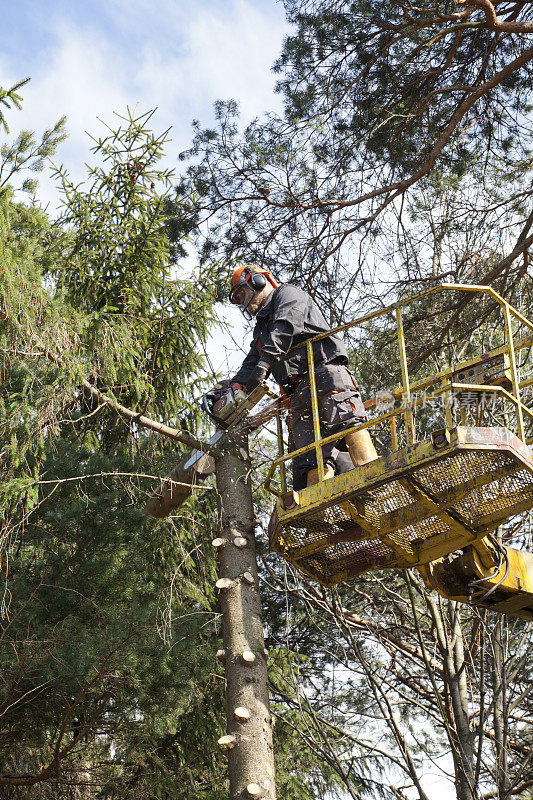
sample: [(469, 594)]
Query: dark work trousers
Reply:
[(339, 407)]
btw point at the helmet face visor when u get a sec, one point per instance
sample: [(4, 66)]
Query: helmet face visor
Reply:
[(242, 294)]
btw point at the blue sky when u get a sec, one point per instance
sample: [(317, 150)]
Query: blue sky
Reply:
[(88, 59)]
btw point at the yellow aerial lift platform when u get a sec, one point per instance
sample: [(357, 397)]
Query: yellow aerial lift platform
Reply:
[(432, 504)]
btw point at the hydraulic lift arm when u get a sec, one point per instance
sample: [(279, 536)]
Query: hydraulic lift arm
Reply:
[(485, 574)]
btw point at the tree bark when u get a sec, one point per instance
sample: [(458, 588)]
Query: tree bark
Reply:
[(499, 715), (249, 724), (455, 669), (451, 646)]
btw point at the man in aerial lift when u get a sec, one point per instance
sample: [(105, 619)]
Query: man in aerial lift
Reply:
[(287, 316)]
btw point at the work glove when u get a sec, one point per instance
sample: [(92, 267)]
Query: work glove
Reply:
[(222, 385), (257, 375)]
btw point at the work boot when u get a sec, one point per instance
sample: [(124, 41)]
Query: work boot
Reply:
[(312, 475), (361, 448)]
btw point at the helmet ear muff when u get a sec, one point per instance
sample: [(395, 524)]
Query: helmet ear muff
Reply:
[(257, 280)]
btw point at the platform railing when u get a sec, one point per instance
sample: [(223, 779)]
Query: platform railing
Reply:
[(406, 393)]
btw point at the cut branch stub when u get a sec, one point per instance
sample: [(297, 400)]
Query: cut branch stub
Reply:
[(248, 657), (248, 578), (219, 542), (242, 714), (224, 583), (228, 741), (254, 790), (221, 655), (240, 541)]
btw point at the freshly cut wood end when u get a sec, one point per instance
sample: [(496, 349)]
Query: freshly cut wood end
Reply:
[(228, 741), (221, 655), (240, 541), (205, 465), (242, 714), (254, 790), (248, 578), (248, 657), (219, 542), (224, 583), (156, 507)]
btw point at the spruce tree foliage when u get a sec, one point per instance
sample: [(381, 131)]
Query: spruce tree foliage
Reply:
[(93, 297), (25, 153), (9, 97), (118, 268), (111, 636), (108, 622)]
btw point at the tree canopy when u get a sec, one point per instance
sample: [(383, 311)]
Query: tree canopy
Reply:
[(402, 159), (387, 107)]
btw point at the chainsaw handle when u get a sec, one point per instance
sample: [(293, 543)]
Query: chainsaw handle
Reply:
[(208, 401)]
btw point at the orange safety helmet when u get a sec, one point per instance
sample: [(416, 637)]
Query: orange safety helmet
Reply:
[(254, 277)]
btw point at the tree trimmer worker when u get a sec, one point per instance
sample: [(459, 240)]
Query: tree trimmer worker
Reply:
[(286, 316)]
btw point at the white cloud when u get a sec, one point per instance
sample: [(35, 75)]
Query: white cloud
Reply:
[(77, 81), (84, 81), (232, 56), (225, 55), (178, 57)]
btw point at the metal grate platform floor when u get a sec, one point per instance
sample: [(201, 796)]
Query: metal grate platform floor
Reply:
[(407, 508)]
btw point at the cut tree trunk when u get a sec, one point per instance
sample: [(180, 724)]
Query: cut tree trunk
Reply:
[(178, 485), (249, 724)]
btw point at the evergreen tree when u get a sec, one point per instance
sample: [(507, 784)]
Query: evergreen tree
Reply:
[(107, 664)]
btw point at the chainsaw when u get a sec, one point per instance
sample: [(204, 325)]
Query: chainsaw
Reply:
[(222, 402), (228, 405)]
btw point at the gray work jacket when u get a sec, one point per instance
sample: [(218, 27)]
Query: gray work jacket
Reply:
[(289, 317)]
